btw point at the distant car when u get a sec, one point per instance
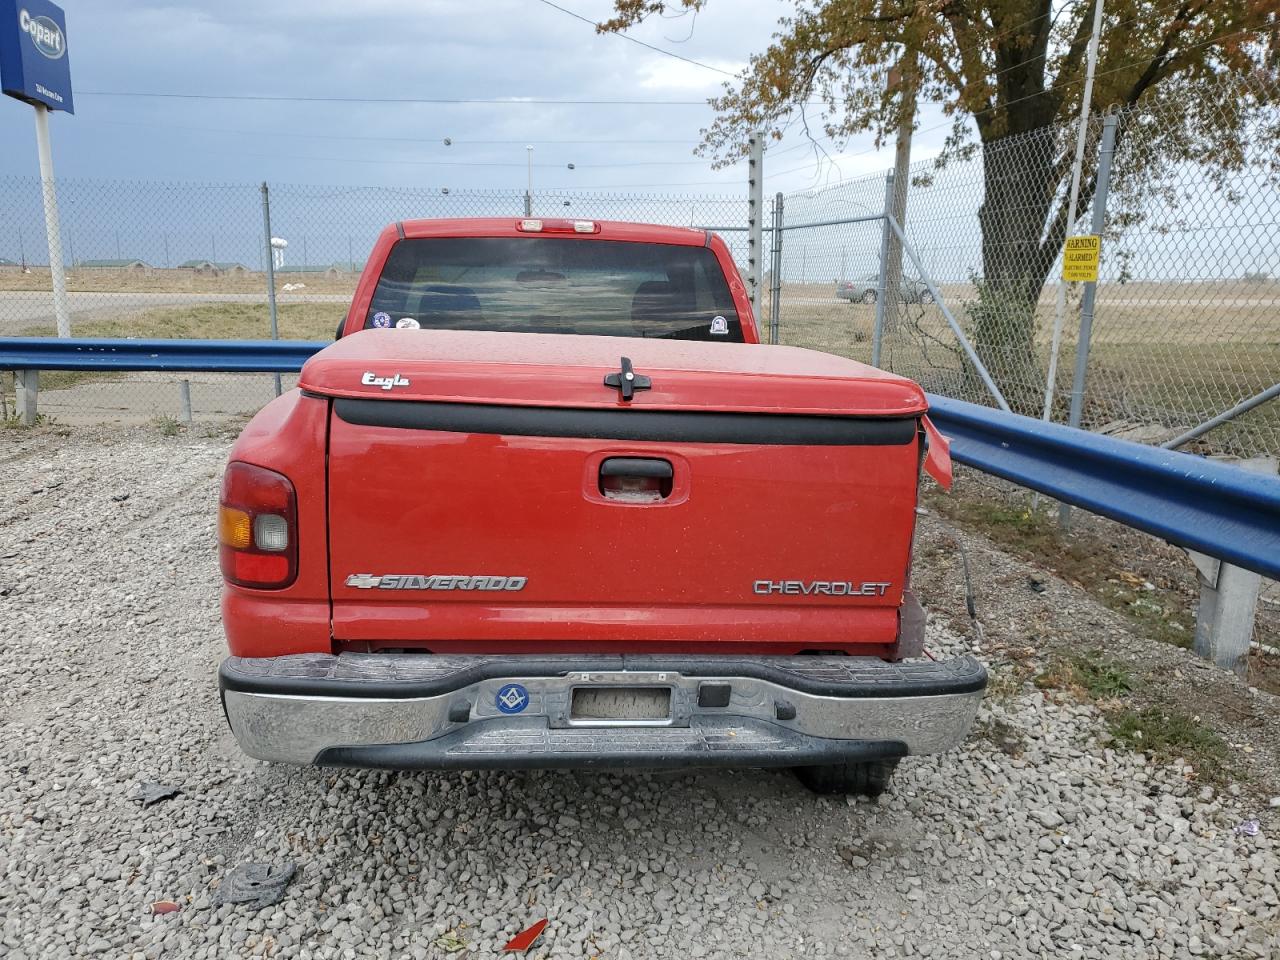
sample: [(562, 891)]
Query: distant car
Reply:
[(866, 290)]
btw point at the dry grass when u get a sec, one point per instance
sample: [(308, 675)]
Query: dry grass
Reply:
[(93, 280), (1171, 354), (214, 321)]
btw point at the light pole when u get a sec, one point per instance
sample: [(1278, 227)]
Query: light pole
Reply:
[(528, 193)]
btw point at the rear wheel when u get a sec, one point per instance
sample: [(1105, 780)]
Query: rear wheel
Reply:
[(869, 778), (926, 296), (869, 297)]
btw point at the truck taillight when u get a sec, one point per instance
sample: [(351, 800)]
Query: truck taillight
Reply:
[(558, 226), (257, 527)]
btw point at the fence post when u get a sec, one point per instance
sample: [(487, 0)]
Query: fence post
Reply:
[(776, 269), (271, 273), (26, 386), (877, 332), (1228, 602), (755, 214), (1106, 151)]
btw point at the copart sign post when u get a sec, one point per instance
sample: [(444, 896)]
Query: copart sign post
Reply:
[(36, 69)]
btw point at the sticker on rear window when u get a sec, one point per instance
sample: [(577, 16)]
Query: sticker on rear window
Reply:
[(381, 320), (719, 327), (406, 323), (512, 698)]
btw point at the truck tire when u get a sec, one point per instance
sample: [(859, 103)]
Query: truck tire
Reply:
[(870, 778), (869, 297)]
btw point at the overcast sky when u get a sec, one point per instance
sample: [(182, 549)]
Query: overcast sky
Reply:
[(398, 49)]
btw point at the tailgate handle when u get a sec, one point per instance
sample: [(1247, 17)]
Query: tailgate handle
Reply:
[(636, 467), (635, 479)]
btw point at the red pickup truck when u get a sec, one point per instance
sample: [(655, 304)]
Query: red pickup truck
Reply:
[(467, 540)]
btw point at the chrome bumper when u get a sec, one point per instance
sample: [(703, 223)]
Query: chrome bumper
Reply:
[(439, 712)]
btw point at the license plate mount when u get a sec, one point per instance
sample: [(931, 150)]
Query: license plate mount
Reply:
[(620, 705)]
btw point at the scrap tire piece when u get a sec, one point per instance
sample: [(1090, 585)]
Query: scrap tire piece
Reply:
[(868, 778), (259, 884)]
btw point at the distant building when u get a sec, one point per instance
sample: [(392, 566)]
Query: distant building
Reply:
[(212, 268), (325, 270), (127, 266)]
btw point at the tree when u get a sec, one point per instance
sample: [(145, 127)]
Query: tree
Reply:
[(1009, 71)]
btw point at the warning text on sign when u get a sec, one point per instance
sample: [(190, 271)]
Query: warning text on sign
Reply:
[(1080, 259)]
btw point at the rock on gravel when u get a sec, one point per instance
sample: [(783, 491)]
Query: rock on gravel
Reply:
[(110, 641)]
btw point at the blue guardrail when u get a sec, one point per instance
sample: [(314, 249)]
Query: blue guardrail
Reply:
[(1220, 510)]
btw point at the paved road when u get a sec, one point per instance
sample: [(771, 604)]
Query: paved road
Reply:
[(25, 308)]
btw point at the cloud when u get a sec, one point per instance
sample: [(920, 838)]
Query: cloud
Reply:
[(665, 75)]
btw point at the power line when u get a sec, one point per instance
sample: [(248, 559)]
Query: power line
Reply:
[(446, 101), (447, 163), (647, 46), (377, 161), (292, 134)]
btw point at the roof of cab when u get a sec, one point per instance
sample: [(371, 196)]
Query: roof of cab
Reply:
[(507, 227)]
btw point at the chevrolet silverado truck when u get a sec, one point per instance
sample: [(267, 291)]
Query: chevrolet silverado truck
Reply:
[(467, 540)]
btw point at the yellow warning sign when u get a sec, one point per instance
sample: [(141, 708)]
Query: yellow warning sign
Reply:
[(1080, 259)]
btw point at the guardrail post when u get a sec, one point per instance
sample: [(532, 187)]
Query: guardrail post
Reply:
[(1228, 602), (26, 385), (184, 400)]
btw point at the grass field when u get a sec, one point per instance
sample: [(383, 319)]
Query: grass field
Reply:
[(214, 321), (1164, 354), (1171, 355), (202, 321), (90, 280)]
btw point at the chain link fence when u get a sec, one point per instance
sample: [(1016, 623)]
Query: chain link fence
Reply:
[(1186, 311), (189, 260), (1186, 318)]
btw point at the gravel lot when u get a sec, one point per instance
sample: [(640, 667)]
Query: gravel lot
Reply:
[(110, 638)]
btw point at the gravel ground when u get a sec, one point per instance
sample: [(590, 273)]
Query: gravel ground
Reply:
[(110, 638)]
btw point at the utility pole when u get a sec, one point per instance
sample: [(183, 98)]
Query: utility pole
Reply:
[(904, 77)]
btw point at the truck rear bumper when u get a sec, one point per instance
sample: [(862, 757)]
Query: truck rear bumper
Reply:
[(467, 712)]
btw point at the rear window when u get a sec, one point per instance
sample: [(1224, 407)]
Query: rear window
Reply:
[(556, 285)]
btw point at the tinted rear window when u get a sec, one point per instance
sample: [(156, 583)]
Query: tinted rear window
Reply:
[(556, 285)]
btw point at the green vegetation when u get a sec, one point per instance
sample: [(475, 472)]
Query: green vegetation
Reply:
[(1034, 535), (167, 426), (1167, 734), (1089, 675)]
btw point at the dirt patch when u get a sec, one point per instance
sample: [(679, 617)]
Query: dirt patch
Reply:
[(1052, 615), (1149, 582)]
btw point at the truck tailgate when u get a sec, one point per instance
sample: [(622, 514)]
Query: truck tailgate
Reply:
[(608, 526)]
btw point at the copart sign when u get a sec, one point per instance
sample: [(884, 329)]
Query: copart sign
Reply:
[(34, 62)]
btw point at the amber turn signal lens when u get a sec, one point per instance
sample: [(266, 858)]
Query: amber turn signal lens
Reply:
[(234, 528)]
